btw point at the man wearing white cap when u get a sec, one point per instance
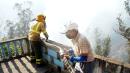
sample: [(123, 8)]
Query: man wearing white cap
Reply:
[(82, 50)]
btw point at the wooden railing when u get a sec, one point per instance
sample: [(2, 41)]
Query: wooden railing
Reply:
[(20, 47), (14, 48), (109, 65)]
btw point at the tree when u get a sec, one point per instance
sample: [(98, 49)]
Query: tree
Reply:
[(103, 45), (24, 16), (124, 30), (21, 27), (106, 45), (98, 42), (11, 29), (127, 7)]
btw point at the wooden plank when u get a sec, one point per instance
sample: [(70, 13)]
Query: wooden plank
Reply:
[(21, 65), (126, 65), (109, 60), (13, 39)]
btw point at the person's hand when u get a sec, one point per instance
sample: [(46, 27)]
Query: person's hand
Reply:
[(65, 58), (47, 39), (46, 35)]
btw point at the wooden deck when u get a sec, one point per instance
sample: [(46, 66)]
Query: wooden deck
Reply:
[(21, 65)]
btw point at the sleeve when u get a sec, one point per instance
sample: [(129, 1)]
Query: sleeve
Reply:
[(43, 28), (84, 46)]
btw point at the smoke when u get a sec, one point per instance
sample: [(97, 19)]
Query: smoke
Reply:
[(120, 52), (88, 14)]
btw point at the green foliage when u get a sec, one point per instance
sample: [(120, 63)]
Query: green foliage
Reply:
[(21, 27), (6, 49), (123, 30), (19, 48), (127, 7), (98, 42), (12, 47), (106, 46), (103, 45), (24, 16), (4, 46)]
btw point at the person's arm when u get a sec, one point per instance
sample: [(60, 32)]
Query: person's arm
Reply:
[(43, 29), (66, 53)]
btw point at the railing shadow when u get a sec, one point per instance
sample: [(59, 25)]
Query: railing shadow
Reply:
[(42, 69), (8, 67), (25, 66), (21, 65), (1, 69)]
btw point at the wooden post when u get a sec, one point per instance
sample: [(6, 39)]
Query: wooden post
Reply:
[(15, 47), (9, 50), (28, 46), (21, 46)]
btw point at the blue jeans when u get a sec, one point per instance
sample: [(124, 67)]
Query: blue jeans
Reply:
[(86, 67)]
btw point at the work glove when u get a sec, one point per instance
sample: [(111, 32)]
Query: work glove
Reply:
[(78, 59), (65, 57)]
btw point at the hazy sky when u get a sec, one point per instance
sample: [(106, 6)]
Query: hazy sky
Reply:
[(88, 14), (61, 12)]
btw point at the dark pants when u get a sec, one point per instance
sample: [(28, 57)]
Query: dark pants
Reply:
[(36, 47), (86, 67)]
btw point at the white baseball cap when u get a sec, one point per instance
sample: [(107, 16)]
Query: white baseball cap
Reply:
[(71, 26)]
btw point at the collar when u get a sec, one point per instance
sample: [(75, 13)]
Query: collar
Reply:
[(76, 38)]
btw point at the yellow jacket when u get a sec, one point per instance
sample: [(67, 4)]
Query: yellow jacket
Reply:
[(35, 30)]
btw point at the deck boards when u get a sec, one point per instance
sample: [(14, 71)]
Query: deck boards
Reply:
[(21, 65)]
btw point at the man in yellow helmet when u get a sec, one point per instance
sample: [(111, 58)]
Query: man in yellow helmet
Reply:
[(35, 41)]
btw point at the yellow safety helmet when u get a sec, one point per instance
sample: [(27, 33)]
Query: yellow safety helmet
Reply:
[(41, 17)]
